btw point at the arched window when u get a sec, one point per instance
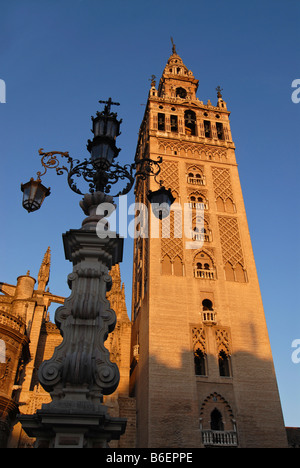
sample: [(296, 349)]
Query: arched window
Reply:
[(239, 273), (224, 364), (181, 92), (199, 234), (174, 123), (201, 231), (229, 206), (166, 265), (225, 205), (207, 128), (196, 179), (172, 267), (220, 131), (177, 266), (196, 200), (195, 176), (235, 274), (203, 266), (200, 362), (216, 422), (208, 313), (161, 122), (207, 304), (229, 272), (220, 204), (190, 122)]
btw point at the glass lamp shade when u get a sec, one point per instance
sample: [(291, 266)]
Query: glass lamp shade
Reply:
[(161, 200), (106, 126), (34, 194), (102, 152)]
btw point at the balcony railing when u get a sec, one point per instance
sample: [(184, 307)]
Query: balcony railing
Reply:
[(196, 181), (219, 438), (198, 205), (204, 274), (200, 236), (209, 316)]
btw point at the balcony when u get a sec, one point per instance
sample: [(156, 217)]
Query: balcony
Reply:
[(200, 236), (209, 317), (196, 181), (198, 205), (219, 438), (204, 273)]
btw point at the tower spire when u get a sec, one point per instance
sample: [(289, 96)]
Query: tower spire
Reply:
[(44, 273), (219, 91), (173, 46)]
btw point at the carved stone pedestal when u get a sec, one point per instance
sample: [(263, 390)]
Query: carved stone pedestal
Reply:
[(72, 424), (80, 371)]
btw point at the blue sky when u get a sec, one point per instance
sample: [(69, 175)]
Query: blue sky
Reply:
[(58, 58)]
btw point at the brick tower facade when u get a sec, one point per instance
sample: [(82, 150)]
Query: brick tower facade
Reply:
[(202, 369)]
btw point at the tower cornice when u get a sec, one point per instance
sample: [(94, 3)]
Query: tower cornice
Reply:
[(188, 103)]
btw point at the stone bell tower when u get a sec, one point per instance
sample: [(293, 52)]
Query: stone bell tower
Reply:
[(202, 369)]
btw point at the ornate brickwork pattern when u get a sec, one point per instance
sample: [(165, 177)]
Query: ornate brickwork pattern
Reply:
[(223, 340), (201, 151), (194, 167), (140, 247), (169, 175), (230, 240), (199, 340), (198, 192), (170, 245), (222, 183)]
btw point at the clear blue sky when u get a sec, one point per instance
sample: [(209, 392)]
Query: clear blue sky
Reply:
[(58, 58)]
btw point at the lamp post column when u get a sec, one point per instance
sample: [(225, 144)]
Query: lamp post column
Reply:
[(80, 372)]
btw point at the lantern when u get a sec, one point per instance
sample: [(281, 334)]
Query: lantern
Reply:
[(161, 200), (34, 194), (103, 147)]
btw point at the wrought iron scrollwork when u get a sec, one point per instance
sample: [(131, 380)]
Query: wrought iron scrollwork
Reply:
[(99, 177)]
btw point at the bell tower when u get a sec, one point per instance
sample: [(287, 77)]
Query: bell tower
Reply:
[(201, 366)]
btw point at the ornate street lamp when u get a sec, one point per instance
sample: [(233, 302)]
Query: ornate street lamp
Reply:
[(34, 194), (100, 170), (161, 200), (105, 129), (80, 371)]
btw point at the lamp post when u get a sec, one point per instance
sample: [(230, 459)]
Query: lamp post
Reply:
[(80, 371)]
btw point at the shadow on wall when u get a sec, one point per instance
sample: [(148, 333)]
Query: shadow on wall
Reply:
[(239, 409)]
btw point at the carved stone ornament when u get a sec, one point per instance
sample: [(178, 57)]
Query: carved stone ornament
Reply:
[(81, 363)]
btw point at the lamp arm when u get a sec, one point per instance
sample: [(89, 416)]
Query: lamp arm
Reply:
[(148, 167), (49, 160), (99, 178)]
